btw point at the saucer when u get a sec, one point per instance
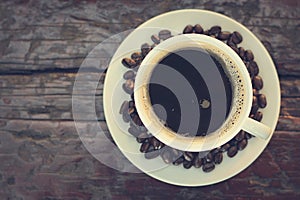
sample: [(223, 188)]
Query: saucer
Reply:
[(114, 96)]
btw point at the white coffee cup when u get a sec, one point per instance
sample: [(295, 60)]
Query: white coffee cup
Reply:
[(238, 117)]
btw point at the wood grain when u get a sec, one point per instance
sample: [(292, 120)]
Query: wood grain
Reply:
[(42, 45)]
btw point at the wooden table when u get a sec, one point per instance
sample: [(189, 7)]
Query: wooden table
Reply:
[(43, 43)]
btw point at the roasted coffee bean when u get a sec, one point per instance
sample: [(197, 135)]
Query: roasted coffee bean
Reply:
[(249, 55), (240, 136), (224, 35), (131, 110), (126, 116), (124, 107), (132, 96), (254, 100), (129, 75), (216, 150), (248, 135), (236, 37), (187, 164), (262, 101), (242, 52), (155, 143), (231, 43), (166, 156), (214, 30), (254, 67), (235, 49), (232, 142), (176, 153), (198, 29), (189, 156), (209, 157), (206, 32), (137, 120), (128, 62), (255, 92), (188, 29), (254, 109), (129, 84), (134, 131), (155, 39), (145, 147), (225, 147), (242, 144), (218, 158), (145, 48), (232, 151), (136, 56), (197, 162), (126, 89), (142, 137), (152, 154), (164, 34), (250, 69), (208, 167), (178, 161), (131, 104), (257, 82), (258, 116)]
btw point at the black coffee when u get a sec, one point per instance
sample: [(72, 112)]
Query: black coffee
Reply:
[(190, 92)]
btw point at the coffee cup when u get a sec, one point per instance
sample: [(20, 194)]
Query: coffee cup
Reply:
[(194, 93)]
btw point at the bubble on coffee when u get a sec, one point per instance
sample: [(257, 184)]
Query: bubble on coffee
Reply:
[(199, 89)]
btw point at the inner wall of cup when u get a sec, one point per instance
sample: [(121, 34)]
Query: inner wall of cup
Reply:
[(233, 73)]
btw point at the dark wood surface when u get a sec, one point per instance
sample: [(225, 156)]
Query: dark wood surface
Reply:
[(42, 44)]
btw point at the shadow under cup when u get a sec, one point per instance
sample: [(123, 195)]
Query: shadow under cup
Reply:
[(192, 95)]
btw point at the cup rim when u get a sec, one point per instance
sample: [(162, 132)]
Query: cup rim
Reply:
[(152, 122)]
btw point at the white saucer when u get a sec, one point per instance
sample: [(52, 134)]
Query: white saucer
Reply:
[(114, 97)]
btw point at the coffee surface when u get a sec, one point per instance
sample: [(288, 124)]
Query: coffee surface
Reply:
[(190, 92)]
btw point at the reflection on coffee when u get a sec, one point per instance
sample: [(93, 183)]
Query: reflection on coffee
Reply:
[(190, 91)]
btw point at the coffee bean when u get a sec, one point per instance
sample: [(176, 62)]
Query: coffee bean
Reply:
[(197, 162), (250, 69), (225, 147), (124, 106), (236, 37), (254, 109), (232, 151), (132, 96), (176, 153), (134, 131), (142, 137), (131, 110), (155, 39), (242, 52), (137, 120), (254, 67), (187, 164), (254, 100), (152, 154), (248, 136), (258, 116), (178, 161), (126, 89), (188, 156), (233, 142), (145, 147), (129, 84), (206, 32), (166, 156), (224, 35), (129, 75), (164, 34), (128, 62), (240, 136), (209, 157), (131, 104), (214, 30), (145, 48), (208, 167), (255, 92), (137, 57), (126, 116), (235, 49), (198, 29), (188, 29), (249, 55), (242, 144), (257, 82), (156, 143), (216, 150), (262, 101), (231, 43), (218, 158)]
